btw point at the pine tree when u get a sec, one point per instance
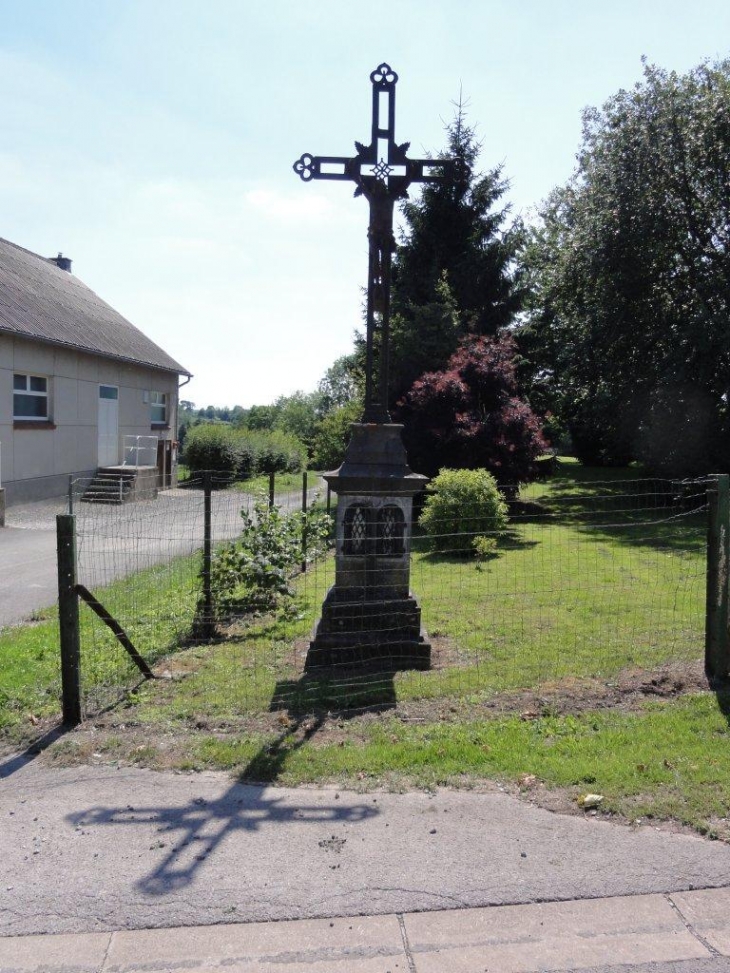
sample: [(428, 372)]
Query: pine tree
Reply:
[(454, 271)]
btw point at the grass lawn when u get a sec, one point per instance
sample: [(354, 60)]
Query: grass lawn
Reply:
[(549, 664)]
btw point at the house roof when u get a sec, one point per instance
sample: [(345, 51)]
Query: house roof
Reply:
[(40, 301)]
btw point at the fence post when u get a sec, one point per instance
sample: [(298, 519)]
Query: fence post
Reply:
[(272, 481), (207, 554), (70, 493), (329, 499), (717, 641), (304, 521), (68, 619)]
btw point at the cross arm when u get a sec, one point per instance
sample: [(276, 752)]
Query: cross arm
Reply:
[(433, 170), (322, 167)]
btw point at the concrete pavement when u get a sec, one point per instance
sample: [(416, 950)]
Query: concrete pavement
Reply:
[(681, 933), (127, 870)]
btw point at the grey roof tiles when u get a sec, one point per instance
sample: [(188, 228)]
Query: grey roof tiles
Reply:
[(40, 301)]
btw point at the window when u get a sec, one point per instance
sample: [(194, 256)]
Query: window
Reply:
[(30, 397), (158, 407), (357, 529), (391, 531)]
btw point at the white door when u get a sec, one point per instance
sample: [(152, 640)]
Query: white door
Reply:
[(108, 425)]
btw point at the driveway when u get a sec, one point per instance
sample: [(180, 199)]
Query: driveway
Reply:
[(112, 541)]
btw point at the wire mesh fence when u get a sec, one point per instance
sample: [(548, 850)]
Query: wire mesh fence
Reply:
[(587, 580), (144, 562)]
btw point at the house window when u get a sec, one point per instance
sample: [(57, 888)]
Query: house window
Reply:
[(158, 408), (30, 397)]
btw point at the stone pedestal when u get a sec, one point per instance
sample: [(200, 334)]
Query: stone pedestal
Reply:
[(369, 616)]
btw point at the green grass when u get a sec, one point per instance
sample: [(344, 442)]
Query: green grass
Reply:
[(155, 606), (669, 760), (283, 483)]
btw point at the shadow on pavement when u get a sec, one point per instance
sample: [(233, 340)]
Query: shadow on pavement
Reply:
[(198, 827), (11, 765)]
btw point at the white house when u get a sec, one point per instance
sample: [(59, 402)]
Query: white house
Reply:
[(80, 387)]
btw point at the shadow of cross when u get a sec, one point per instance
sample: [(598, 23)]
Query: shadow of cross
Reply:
[(201, 825)]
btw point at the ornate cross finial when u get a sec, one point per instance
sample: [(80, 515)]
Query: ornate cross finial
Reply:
[(382, 172)]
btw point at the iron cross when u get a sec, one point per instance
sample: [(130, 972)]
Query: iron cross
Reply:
[(382, 174)]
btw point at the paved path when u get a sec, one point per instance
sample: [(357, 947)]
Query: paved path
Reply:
[(412, 883), (684, 933)]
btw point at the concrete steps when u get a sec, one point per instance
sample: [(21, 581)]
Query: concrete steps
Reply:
[(116, 485)]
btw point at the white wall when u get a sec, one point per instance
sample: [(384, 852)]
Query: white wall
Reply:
[(68, 444)]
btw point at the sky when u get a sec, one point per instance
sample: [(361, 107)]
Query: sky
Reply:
[(152, 141)]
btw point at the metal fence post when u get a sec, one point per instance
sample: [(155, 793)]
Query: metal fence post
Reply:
[(272, 483), (304, 521), (68, 619), (207, 555), (717, 637), (70, 493)]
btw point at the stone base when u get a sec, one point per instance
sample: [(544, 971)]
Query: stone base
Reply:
[(382, 632)]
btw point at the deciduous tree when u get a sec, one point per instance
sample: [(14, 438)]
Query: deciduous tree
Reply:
[(630, 268)]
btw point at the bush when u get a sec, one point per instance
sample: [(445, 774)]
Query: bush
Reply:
[(242, 453), (333, 434), (254, 572), (211, 447), (460, 506), (278, 451)]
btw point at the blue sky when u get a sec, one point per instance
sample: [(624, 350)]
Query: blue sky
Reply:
[(152, 142)]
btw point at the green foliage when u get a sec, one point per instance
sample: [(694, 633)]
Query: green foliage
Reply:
[(333, 434), (297, 414), (276, 451), (261, 417), (240, 453), (460, 506), (211, 447), (484, 547), (254, 572), (630, 275), (341, 383), (424, 336)]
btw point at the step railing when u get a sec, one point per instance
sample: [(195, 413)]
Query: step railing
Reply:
[(139, 450)]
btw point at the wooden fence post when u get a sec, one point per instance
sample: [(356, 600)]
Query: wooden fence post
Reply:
[(68, 619), (717, 637)]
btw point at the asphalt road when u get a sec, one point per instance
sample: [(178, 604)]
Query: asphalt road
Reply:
[(95, 848)]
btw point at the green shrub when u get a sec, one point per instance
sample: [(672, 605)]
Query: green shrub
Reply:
[(211, 447), (242, 453), (254, 572), (460, 506), (278, 451)]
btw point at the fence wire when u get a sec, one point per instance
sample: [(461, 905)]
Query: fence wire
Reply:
[(588, 582)]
